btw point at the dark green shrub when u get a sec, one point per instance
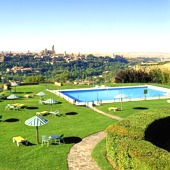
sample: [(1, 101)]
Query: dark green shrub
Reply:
[(127, 149)]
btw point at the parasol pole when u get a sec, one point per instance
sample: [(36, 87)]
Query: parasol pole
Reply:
[(37, 134), (51, 107), (121, 104)]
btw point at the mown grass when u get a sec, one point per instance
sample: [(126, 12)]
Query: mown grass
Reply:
[(75, 123), (99, 154), (135, 107)]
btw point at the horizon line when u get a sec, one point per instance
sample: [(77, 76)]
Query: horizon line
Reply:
[(83, 52)]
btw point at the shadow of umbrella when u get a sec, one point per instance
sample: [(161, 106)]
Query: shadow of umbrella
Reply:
[(11, 120), (36, 121), (72, 139), (121, 96), (51, 102)]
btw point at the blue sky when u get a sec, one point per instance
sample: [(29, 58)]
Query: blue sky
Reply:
[(85, 25)]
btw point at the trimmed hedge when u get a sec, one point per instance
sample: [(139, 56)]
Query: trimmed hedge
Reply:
[(127, 149)]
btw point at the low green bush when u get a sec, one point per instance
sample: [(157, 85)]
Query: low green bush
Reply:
[(127, 148)]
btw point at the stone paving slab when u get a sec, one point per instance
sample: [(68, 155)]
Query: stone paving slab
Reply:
[(80, 158)]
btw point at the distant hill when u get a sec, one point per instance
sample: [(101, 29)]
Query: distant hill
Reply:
[(150, 67), (149, 55)]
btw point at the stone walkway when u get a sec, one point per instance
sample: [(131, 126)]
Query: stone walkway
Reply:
[(106, 114), (79, 157)]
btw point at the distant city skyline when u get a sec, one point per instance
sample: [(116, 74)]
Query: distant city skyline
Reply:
[(91, 26)]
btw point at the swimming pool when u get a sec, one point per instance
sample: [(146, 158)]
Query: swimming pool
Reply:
[(110, 94)]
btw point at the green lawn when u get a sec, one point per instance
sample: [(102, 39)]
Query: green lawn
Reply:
[(135, 107), (75, 123), (99, 154)]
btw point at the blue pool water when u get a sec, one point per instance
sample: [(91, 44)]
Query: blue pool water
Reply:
[(109, 93)]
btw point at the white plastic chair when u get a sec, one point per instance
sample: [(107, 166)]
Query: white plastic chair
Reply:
[(56, 113)]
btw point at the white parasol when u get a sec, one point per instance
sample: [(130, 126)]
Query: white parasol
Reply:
[(36, 121)]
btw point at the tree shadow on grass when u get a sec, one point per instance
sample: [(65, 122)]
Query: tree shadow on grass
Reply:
[(71, 113), (158, 133), (11, 120), (140, 108), (72, 139)]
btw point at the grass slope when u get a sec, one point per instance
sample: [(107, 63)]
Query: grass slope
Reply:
[(75, 123)]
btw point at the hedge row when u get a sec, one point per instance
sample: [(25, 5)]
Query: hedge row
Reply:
[(127, 149)]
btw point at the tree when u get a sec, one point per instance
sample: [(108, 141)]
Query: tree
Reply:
[(34, 79), (133, 76), (156, 75)]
